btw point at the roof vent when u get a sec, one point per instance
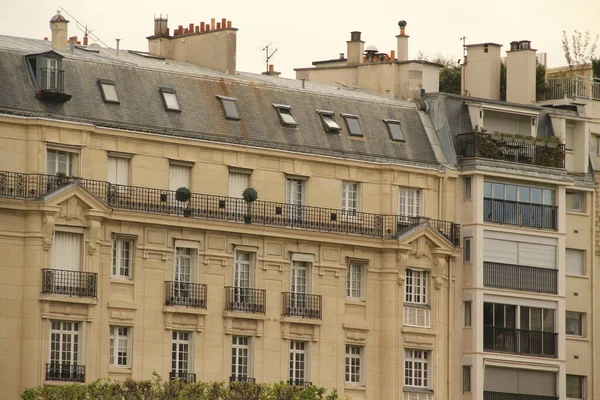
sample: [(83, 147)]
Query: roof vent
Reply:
[(514, 45), (355, 36)]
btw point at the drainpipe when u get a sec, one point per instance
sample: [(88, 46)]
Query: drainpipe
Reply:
[(118, 40)]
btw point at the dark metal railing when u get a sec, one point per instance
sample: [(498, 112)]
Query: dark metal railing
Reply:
[(185, 294), (487, 395), (519, 341), (70, 283), (134, 198), (302, 305), (182, 376), (519, 277), (299, 382), (65, 372), (510, 212), (485, 145), (241, 378), (245, 300), (51, 79)]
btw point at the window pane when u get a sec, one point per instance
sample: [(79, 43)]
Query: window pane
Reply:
[(395, 130), (230, 108), (487, 190), (110, 92), (574, 262), (354, 126), (498, 191), (574, 323), (574, 201), (511, 192), (575, 386), (171, 101)]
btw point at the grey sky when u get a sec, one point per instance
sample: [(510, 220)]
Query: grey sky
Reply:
[(308, 30)]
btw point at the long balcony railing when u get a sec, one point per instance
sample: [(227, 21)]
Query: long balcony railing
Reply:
[(69, 283), (487, 395), (571, 87), (489, 146), (241, 378), (149, 200), (245, 300), (519, 277), (519, 341), (302, 305), (185, 294), (299, 382), (65, 372), (510, 212), (185, 377)]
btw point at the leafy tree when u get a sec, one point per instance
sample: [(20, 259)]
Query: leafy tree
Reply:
[(596, 67), (580, 50)]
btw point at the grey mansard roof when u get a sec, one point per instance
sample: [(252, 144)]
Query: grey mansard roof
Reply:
[(138, 79)]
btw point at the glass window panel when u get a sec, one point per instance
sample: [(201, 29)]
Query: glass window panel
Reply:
[(524, 194), (353, 126), (110, 92), (498, 191), (511, 316), (395, 130), (536, 196), (511, 192), (230, 108), (574, 201), (171, 101), (548, 197), (487, 190)]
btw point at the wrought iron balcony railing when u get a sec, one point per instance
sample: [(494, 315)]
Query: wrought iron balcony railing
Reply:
[(149, 200), (519, 277), (509, 212), (299, 382), (485, 145), (51, 79), (487, 395), (571, 87), (241, 378), (302, 305), (519, 341), (69, 283), (245, 300), (185, 377), (65, 372), (185, 294)]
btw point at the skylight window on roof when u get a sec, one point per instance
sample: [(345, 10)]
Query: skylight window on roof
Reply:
[(285, 114), (353, 125), (395, 129), (169, 97), (109, 91), (230, 107), (328, 121)]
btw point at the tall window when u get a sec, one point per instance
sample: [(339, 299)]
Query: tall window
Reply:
[(240, 358), (355, 280), (467, 249), (181, 351), (295, 194), (466, 379), (354, 364), (298, 361), (119, 346), (238, 182), (183, 264), (575, 386), (409, 202), (118, 170), (415, 286), (416, 368), (61, 161), (179, 176), (122, 258), (66, 251), (468, 305), (64, 342), (350, 197), (300, 277), (242, 273), (468, 187)]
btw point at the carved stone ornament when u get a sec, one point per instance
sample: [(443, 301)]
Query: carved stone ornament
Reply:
[(402, 259), (48, 230), (93, 230), (440, 264)]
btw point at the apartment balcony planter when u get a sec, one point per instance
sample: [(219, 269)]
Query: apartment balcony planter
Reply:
[(241, 378), (299, 382), (520, 341), (69, 283), (245, 300), (302, 305), (184, 377), (51, 85), (185, 294), (510, 212), (487, 395), (519, 277), (65, 372)]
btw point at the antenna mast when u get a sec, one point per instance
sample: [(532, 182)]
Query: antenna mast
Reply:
[(83, 28), (267, 55)]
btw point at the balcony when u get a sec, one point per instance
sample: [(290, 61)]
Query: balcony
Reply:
[(299, 382), (519, 341), (182, 376), (570, 87), (514, 396), (241, 378), (205, 206), (245, 300), (302, 305), (51, 85), (508, 212), (519, 277), (494, 147), (69, 283), (185, 294), (65, 372)]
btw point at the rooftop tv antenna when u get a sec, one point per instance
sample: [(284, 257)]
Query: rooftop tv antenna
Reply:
[(267, 55), (83, 28)]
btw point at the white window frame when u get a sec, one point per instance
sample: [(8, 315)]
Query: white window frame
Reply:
[(354, 371), (113, 158), (409, 202), (299, 354), (416, 286), (307, 266), (350, 197), (239, 263), (417, 368), (119, 263), (179, 341), (120, 346), (72, 166), (184, 253), (356, 280), (170, 99), (241, 356), (581, 196), (74, 348)]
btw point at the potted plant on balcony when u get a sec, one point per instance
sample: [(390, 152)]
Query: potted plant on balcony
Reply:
[(249, 195), (184, 195)]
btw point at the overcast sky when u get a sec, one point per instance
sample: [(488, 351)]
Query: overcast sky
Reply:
[(307, 30)]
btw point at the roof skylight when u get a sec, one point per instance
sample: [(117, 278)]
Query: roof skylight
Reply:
[(109, 91), (395, 129), (353, 125), (285, 114), (328, 121), (169, 98), (230, 107)]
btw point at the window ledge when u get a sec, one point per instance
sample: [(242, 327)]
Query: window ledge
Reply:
[(359, 387), (121, 281), (244, 315), (69, 299), (576, 338), (417, 390), (120, 370), (415, 305), (300, 320), (62, 383), (577, 276), (418, 330), (577, 212), (185, 310), (356, 302)]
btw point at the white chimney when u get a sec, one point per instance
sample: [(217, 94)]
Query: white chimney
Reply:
[(480, 75), (520, 73), (58, 25), (402, 42), (355, 49)]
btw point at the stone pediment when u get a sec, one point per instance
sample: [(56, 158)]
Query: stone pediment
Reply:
[(75, 203), (423, 239)]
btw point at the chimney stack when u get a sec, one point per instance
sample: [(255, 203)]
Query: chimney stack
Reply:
[(520, 73), (160, 26), (58, 25), (355, 49), (402, 42), (480, 75)]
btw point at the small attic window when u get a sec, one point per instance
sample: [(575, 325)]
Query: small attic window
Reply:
[(109, 91), (169, 98), (395, 129), (328, 121), (353, 125), (230, 107), (285, 114)]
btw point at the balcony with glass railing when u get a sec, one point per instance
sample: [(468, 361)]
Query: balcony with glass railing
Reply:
[(509, 212), (570, 87), (520, 341)]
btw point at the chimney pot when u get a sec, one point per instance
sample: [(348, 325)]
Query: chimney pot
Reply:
[(393, 55), (355, 36), (201, 26), (196, 29), (228, 24), (160, 27), (218, 25), (402, 24), (191, 28), (514, 45), (85, 40), (223, 22), (341, 56), (46, 38), (271, 68), (186, 31), (212, 24)]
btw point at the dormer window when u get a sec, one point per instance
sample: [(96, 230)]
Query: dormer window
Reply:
[(395, 129), (48, 76), (353, 124), (169, 98), (285, 115), (230, 107), (328, 121), (109, 91)]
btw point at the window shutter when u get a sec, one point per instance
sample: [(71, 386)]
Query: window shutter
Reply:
[(179, 176), (417, 396), (66, 251), (537, 255), (420, 317), (500, 251), (238, 182)]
